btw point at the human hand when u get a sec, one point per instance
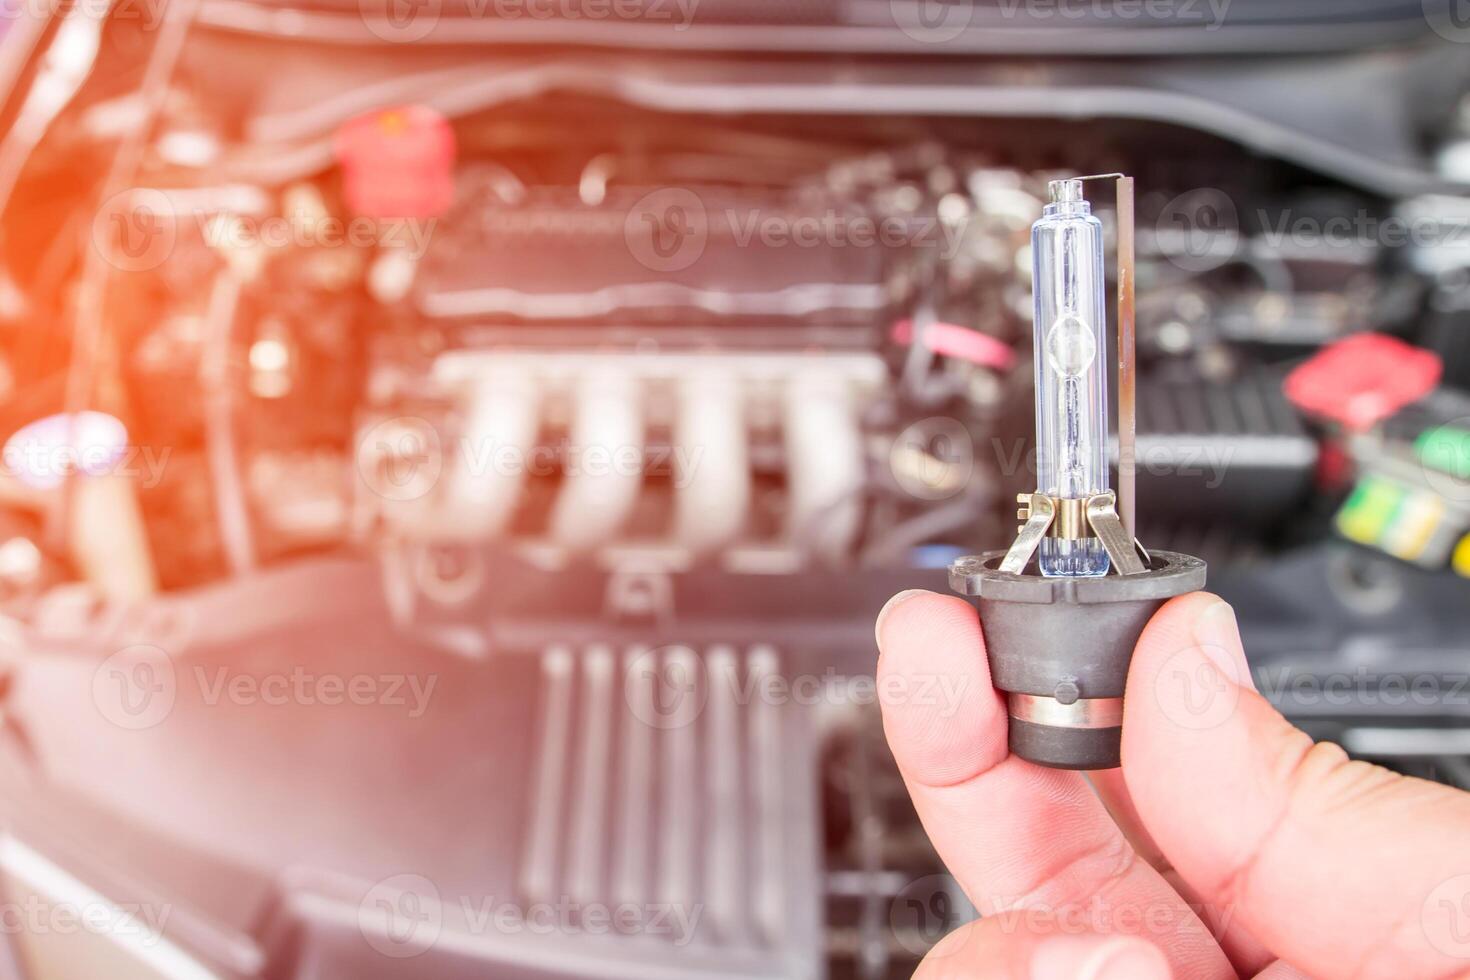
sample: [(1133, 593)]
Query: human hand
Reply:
[(1227, 845)]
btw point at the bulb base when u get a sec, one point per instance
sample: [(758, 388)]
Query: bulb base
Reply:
[(1060, 649), (1067, 748)]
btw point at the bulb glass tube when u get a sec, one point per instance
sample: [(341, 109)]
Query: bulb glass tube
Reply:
[(1071, 369)]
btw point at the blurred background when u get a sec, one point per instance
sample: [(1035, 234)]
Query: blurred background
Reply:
[(455, 449)]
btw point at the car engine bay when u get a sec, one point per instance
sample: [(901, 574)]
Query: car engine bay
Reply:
[(583, 400)]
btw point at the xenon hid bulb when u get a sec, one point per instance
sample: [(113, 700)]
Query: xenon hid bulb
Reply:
[(1059, 648), (1071, 374)]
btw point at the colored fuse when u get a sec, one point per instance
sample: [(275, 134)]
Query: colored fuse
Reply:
[(1419, 516), (1461, 559), (1368, 510), (1389, 516)]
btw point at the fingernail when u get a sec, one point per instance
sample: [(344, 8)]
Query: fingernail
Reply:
[(1094, 958), (888, 607), (1218, 637), (1127, 959)]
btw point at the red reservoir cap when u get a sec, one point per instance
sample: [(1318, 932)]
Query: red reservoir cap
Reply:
[(1363, 379), (398, 163)]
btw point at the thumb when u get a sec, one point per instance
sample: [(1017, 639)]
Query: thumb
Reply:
[(1340, 867), (1032, 945)]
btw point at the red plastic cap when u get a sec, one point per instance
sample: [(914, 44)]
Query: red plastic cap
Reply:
[(398, 163), (1363, 379)]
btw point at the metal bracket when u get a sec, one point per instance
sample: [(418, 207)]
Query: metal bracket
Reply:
[(1102, 514), (1039, 511), (1127, 356)]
